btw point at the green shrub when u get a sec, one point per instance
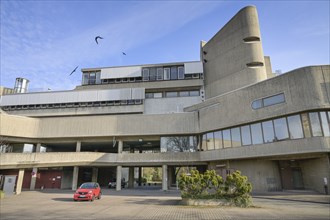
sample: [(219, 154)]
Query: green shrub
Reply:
[(236, 189)]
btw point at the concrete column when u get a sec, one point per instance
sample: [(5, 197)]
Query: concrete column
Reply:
[(75, 178), (131, 177), (95, 174), (38, 147), (33, 178), (165, 181), (120, 146), (140, 176), (19, 181), (78, 146), (118, 183)]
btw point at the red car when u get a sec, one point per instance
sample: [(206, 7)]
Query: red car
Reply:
[(88, 191)]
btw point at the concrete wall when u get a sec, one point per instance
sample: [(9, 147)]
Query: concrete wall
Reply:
[(226, 55), (169, 105), (305, 89), (313, 171)]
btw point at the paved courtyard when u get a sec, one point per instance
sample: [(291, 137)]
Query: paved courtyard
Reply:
[(156, 204)]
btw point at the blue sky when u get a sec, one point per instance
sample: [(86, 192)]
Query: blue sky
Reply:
[(44, 41)]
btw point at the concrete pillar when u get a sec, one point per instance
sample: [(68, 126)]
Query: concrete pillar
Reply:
[(75, 178), (38, 147), (165, 180), (33, 178), (78, 146), (120, 146), (131, 177), (19, 181), (118, 183), (140, 176), (95, 174)]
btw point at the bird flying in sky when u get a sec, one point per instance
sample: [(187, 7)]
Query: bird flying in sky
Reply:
[(96, 38), (74, 70), (124, 53)]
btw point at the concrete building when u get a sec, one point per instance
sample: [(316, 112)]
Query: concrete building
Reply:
[(226, 112)]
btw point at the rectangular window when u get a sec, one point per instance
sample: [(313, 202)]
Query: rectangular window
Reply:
[(226, 138), (210, 141), (256, 133), (171, 94), (315, 124), (305, 124), (181, 72), (268, 131), (92, 79), (167, 73), (218, 140), (145, 74), (98, 77), (149, 95), (204, 142), (152, 74), (295, 127), (174, 73), (194, 93), (184, 93), (276, 99), (160, 73), (235, 137), (158, 95), (257, 104), (325, 124), (246, 135), (85, 78), (281, 129)]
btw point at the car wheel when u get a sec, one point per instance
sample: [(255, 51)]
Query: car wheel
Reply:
[(92, 199), (99, 197), (75, 200)]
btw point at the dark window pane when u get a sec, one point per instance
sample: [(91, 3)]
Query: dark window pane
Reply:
[(281, 129), (174, 72), (171, 94), (226, 138), (276, 99), (256, 133), (194, 93), (295, 127), (218, 139), (149, 95), (325, 124), (315, 124), (145, 74), (235, 137), (268, 131), (152, 74), (167, 73), (184, 93), (181, 72), (246, 135), (160, 73), (257, 104)]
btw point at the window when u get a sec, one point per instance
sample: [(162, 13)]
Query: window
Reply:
[(268, 131), (276, 99), (210, 141), (295, 127), (204, 142), (160, 73), (85, 79), (184, 93), (181, 72), (174, 72), (98, 77), (325, 124), (149, 95), (92, 78), (246, 135), (218, 140), (281, 129), (145, 74), (315, 124), (194, 93), (272, 100), (235, 137), (226, 138), (167, 73), (171, 94), (256, 133), (153, 74), (158, 95)]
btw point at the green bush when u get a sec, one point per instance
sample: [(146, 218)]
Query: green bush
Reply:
[(236, 189)]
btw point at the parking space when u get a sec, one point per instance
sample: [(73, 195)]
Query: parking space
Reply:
[(155, 204)]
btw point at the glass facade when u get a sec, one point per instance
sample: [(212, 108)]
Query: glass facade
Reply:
[(178, 144), (268, 101), (285, 128)]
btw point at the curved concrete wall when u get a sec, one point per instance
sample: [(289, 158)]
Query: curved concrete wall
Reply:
[(227, 54)]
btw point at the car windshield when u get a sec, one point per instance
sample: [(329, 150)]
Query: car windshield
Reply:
[(87, 186)]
